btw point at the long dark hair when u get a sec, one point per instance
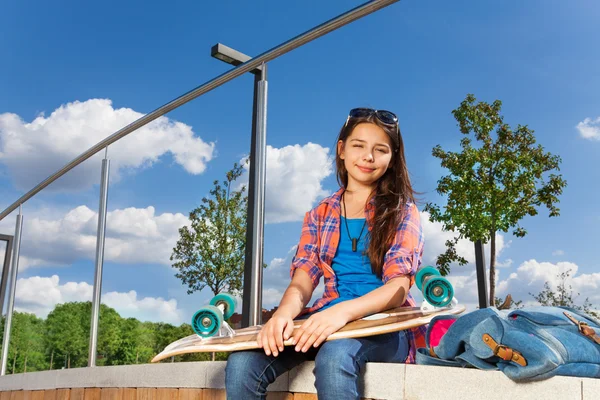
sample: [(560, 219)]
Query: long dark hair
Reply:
[(392, 192)]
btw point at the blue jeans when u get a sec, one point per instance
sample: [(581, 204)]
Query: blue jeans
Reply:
[(338, 364)]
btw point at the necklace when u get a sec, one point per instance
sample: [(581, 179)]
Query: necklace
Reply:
[(354, 240)]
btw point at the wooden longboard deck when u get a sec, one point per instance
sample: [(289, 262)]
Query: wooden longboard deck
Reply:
[(396, 319)]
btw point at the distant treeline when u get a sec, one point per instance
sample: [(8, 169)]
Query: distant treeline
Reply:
[(62, 339)]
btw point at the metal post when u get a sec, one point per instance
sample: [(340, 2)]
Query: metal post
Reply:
[(481, 276), (99, 260), (252, 301), (246, 295), (234, 57), (7, 253), (11, 291)]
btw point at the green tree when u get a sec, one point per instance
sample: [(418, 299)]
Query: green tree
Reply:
[(26, 347), (563, 296), (494, 183), (211, 251), (66, 335), (109, 336), (145, 345)]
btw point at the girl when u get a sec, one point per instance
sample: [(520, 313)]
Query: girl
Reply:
[(366, 241)]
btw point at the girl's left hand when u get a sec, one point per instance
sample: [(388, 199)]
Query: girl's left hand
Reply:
[(318, 327)]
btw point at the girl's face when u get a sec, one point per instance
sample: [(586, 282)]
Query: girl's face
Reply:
[(367, 153)]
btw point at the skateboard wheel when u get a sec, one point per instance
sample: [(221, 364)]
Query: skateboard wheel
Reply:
[(207, 321), (438, 291), (228, 302), (423, 274)]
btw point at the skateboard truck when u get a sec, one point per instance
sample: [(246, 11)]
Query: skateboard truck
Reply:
[(209, 321), (437, 291)]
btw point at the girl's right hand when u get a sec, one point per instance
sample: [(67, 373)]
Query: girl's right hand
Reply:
[(274, 332)]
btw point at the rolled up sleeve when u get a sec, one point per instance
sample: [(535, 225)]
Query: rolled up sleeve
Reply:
[(307, 253), (404, 256)]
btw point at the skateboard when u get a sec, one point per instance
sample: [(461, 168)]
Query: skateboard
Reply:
[(212, 333)]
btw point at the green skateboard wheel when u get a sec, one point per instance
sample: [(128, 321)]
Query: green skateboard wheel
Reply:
[(228, 302), (423, 274), (438, 291), (207, 321)]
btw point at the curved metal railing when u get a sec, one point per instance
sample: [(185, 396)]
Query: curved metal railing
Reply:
[(253, 63)]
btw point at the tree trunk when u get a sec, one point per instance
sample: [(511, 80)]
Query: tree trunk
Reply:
[(51, 358), (25, 364), (69, 361), (137, 354), (492, 269)]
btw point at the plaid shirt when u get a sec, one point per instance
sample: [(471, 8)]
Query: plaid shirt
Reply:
[(318, 245)]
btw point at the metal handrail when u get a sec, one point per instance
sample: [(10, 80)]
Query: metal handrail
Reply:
[(320, 30)]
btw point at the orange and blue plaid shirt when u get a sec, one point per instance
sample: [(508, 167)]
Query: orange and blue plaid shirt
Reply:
[(319, 242)]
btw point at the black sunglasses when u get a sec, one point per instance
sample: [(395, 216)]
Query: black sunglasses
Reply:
[(384, 116)]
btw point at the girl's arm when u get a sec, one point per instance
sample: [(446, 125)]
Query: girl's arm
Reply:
[(296, 296), (281, 324), (392, 294)]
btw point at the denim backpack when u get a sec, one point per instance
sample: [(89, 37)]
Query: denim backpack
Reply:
[(528, 344)]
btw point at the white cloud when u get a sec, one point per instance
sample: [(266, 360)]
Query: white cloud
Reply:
[(134, 235), (589, 128), (144, 309), (558, 253), (531, 275), (294, 180), (33, 150), (39, 295)]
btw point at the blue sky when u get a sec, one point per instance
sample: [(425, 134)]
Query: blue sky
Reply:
[(73, 74)]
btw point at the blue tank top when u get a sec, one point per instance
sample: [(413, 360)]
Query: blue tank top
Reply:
[(353, 274)]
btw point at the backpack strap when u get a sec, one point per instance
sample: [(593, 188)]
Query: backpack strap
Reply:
[(584, 328), (432, 353), (504, 352)]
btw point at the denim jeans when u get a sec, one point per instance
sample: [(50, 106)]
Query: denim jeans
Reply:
[(338, 364)]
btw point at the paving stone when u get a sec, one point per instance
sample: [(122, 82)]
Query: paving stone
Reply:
[(302, 379), (443, 383), (383, 381), (591, 388)]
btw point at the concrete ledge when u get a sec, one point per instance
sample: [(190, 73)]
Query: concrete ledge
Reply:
[(379, 381)]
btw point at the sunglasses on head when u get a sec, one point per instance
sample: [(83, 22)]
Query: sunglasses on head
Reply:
[(384, 116)]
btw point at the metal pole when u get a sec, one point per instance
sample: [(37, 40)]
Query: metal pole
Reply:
[(481, 278), (258, 172), (11, 291), (7, 253), (99, 260), (246, 301), (308, 36)]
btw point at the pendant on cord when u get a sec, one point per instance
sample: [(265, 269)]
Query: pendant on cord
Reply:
[(354, 240)]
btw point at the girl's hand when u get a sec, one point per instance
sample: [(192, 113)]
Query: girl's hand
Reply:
[(318, 327), (277, 329)]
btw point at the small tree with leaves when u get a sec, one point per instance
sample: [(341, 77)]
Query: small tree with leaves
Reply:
[(563, 295), (493, 183), (210, 252)]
